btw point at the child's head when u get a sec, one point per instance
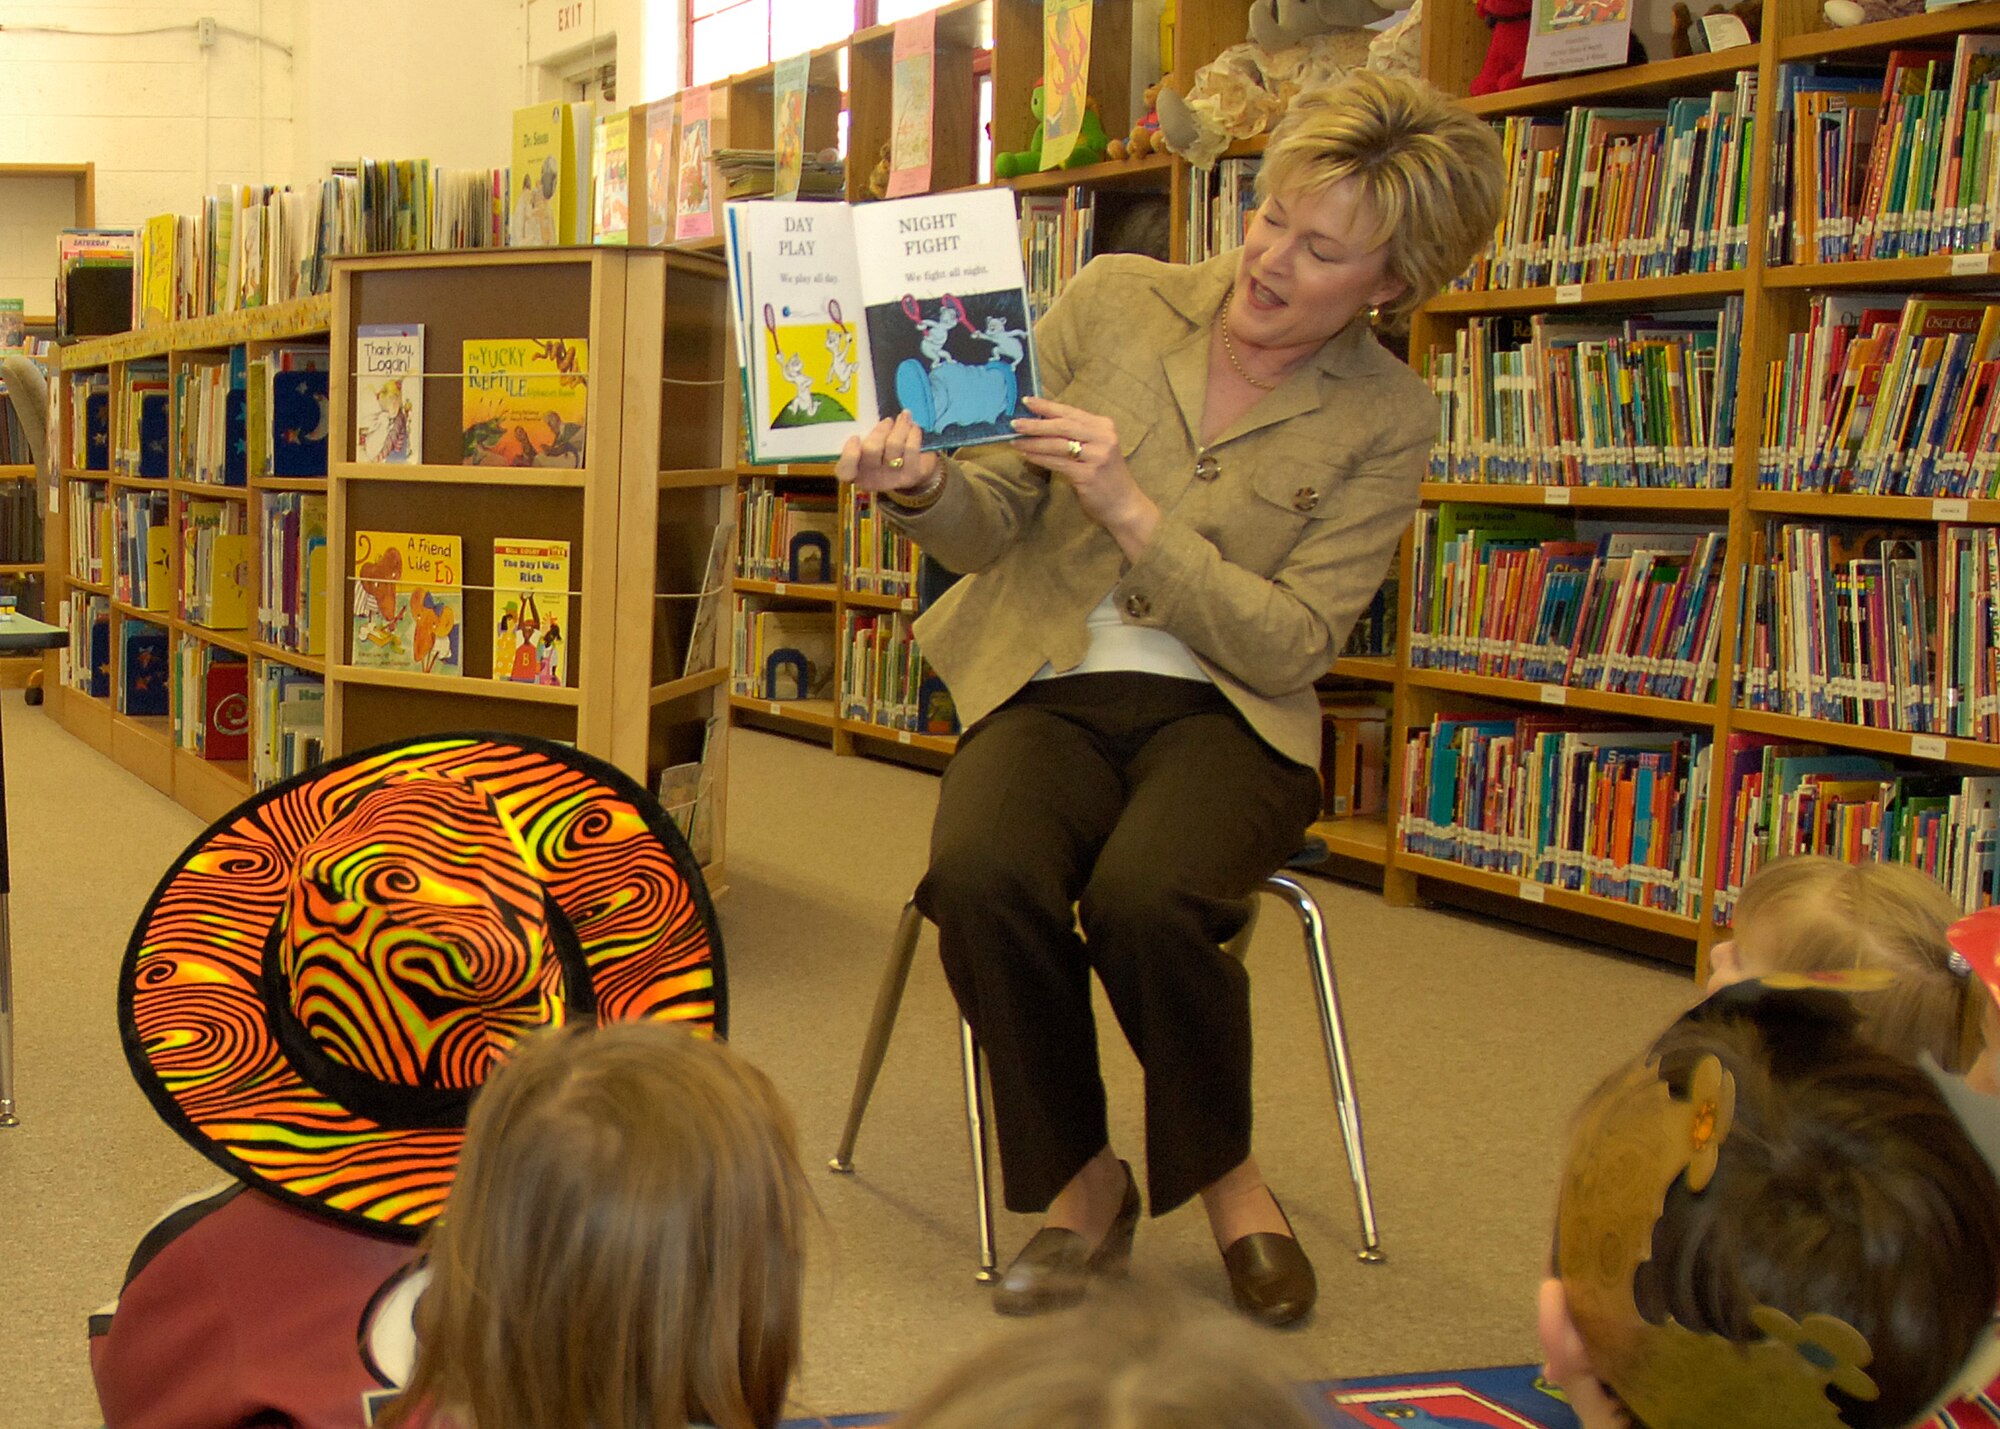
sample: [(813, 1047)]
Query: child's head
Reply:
[(1136, 1360), (1839, 1183), (623, 1245), (1810, 914)]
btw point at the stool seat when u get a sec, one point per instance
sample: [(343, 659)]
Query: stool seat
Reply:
[(1333, 1033)]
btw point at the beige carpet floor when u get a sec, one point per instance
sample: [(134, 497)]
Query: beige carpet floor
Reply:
[(1472, 1041)]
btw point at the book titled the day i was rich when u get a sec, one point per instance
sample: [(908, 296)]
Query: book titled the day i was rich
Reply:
[(849, 314), (530, 610), (526, 401)]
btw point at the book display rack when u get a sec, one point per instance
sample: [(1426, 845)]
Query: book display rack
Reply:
[(558, 594)]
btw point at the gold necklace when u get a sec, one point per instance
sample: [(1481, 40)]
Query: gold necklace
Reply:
[(1236, 362)]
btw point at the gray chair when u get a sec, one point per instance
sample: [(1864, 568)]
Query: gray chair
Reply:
[(1333, 1032)]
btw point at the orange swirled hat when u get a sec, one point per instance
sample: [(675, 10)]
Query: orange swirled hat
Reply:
[(329, 972)]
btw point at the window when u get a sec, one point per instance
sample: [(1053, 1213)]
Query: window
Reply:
[(727, 37)]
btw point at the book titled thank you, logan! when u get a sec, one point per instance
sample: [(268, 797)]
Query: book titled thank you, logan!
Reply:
[(846, 315)]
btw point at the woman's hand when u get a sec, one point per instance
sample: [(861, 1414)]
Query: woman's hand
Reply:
[(889, 458), (1082, 448)]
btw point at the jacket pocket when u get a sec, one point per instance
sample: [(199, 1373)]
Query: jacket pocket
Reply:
[(1257, 523)]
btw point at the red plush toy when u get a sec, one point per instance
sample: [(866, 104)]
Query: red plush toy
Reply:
[(1507, 51)]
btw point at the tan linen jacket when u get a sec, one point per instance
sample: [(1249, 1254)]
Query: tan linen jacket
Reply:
[(1269, 549)]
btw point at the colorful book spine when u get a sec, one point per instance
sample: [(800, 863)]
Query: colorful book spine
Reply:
[(1568, 803), (1644, 401)]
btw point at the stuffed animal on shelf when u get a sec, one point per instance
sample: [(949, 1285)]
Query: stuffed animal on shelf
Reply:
[(1398, 50), (1507, 50), (1091, 142), (1294, 45), (1145, 136), (1843, 13), (1687, 37), (878, 177)]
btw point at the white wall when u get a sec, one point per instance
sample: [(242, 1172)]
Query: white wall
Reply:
[(406, 79), (159, 116)]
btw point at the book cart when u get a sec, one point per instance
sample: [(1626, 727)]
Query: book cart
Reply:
[(638, 515), (1918, 757), (157, 747)]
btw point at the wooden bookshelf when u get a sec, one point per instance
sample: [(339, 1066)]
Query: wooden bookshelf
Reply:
[(148, 744), (638, 516), (1454, 45)]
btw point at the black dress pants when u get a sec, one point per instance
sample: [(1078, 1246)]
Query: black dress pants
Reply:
[(1145, 808)]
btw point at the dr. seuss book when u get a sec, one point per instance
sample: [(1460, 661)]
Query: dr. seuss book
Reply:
[(694, 187), (530, 611), (389, 392), (912, 65), (526, 401), (551, 199), (407, 602), (846, 315)]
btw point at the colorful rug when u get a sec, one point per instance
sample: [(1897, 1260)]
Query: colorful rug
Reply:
[(1513, 1397), (1506, 1398)]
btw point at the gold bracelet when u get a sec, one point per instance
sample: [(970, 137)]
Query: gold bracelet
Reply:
[(919, 498)]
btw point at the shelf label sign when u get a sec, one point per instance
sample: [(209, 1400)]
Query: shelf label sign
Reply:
[(777, 588), (1971, 265), (1555, 695), (1947, 508), (902, 736), (1569, 293), (1927, 746), (1555, 496), (1533, 892)]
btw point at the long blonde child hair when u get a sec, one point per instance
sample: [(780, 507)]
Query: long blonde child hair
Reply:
[(623, 1246), (1808, 913)]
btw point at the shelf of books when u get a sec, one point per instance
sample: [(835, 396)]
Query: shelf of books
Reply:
[(531, 511), (1705, 568), (22, 557), (194, 594)]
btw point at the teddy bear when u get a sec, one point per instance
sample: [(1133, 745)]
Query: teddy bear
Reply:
[(1294, 45), (1145, 136)]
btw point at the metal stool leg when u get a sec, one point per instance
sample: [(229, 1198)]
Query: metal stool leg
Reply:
[(888, 1001), (975, 1130), (1333, 1030)]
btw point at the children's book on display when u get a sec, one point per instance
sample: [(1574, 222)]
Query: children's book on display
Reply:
[(846, 315), (526, 401)]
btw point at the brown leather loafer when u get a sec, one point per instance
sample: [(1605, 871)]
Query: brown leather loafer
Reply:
[(1054, 1269), (1270, 1278)]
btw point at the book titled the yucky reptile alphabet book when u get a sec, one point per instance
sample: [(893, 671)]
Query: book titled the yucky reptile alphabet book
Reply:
[(846, 315)]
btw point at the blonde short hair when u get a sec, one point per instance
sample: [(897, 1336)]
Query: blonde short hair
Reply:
[(1128, 1358), (623, 1245), (1431, 173), (1809, 913)]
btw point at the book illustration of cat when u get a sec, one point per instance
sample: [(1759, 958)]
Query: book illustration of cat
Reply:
[(815, 391), (953, 363)]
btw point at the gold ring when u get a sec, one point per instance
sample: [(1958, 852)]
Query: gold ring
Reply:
[(895, 463), (1075, 448)]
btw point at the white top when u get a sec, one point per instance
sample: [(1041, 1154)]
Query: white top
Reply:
[(1117, 645)]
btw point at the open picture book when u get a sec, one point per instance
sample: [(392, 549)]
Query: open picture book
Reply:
[(846, 314)]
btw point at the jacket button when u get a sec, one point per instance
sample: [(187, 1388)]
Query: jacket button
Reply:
[(1207, 469), (1305, 499), (1137, 606)]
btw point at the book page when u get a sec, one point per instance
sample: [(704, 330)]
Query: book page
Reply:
[(947, 312), (803, 350)]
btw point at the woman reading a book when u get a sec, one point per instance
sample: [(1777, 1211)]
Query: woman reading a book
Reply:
[(1159, 568)]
